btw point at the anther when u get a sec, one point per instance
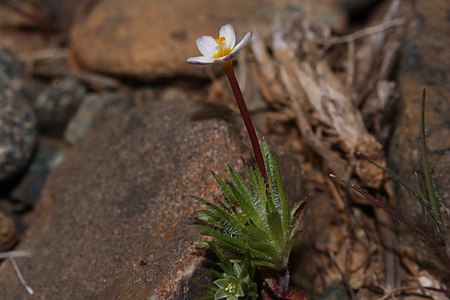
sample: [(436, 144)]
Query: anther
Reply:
[(220, 40)]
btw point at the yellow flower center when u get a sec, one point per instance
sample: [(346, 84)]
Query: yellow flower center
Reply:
[(222, 49), (220, 40)]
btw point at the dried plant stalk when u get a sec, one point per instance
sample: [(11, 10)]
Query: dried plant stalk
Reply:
[(293, 80)]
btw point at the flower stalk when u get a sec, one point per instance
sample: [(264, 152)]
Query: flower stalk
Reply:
[(222, 50), (255, 222), (247, 120)]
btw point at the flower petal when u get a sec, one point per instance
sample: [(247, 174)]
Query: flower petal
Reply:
[(200, 60), (225, 58), (242, 43), (206, 45), (227, 31)]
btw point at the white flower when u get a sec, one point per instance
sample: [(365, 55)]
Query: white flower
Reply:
[(220, 50)]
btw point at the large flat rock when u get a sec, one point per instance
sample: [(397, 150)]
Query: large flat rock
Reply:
[(115, 220)]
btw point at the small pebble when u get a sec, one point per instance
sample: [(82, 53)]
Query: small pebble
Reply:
[(8, 232)]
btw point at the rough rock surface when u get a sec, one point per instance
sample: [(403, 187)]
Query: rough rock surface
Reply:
[(8, 232), (425, 63), (55, 105), (17, 135), (48, 155), (17, 120), (115, 220), (93, 110), (151, 39)]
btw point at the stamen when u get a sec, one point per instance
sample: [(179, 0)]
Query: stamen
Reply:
[(222, 49), (220, 40)]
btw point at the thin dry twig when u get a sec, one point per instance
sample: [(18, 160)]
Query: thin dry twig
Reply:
[(315, 93), (361, 33), (368, 70), (20, 276), (342, 274), (393, 292), (13, 254)]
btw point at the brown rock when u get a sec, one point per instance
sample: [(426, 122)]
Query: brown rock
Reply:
[(62, 14), (150, 39), (8, 232), (153, 38), (14, 26), (426, 63), (116, 218)]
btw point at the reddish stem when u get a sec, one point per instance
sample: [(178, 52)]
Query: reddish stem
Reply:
[(247, 121), (439, 247)]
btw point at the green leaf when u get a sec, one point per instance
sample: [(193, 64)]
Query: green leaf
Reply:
[(237, 269), (296, 207), (259, 193), (255, 219), (426, 168), (236, 243), (214, 274), (275, 227), (277, 190), (223, 283), (220, 294), (244, 197), (225, 216), (414, 193), (209, 216), (225, 263), (226, 189)]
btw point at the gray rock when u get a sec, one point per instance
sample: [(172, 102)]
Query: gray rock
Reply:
[(11, 75), (94, 109), (49, 154), (10, 68), (116, 219), (17, 120), (58, 102)]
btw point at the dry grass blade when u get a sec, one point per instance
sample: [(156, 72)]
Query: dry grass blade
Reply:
[(365, 79), (11, 256), (329, 122), (438, 247), (20, 276)]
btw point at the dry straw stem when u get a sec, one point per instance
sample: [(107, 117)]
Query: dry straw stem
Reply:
[(299, 78), (54, 62), (391, 294), (334, 88), (11, 256)]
